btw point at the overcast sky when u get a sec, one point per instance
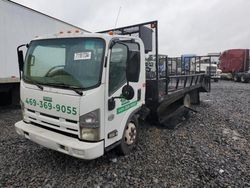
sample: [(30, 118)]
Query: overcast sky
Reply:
[(185, 26)]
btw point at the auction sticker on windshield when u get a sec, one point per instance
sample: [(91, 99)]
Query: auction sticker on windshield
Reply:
[(82, 56), (51, 106)]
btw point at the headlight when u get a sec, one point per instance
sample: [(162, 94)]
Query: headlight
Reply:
[(90, 126)]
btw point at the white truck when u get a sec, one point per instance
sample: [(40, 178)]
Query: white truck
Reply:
[(83, 94), (18, 25), (205, 64)]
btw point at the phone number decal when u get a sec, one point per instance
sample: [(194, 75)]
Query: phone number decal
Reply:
[(49, 106)]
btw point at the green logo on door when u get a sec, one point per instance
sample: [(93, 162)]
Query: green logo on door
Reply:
[(49, 99), (126, 107)]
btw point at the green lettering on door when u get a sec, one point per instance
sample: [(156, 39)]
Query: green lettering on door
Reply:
[(126, 107)]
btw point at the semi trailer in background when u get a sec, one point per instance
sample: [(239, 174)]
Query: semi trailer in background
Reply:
[(234, 64), (18, 24)]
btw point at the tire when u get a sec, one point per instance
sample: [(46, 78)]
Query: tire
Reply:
[(243, 78), (236, 78), (216, 79), (129, 138)]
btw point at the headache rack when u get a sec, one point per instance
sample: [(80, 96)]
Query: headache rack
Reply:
[(167, 78)]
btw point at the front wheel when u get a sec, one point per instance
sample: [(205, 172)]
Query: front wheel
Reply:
[(129, 138)]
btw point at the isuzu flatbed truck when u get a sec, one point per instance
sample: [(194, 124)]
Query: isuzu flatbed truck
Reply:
[(83, 94)]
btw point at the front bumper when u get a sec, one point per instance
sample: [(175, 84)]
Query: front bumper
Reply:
[(65, 144)]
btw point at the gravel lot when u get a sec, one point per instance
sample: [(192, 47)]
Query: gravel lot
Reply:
[(210, 149)]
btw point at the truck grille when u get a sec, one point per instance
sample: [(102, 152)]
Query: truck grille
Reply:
[(54, 130), (212, 70), (53, 122)]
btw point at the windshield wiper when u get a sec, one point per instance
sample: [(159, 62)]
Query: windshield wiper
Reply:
[(79, 92), (33, 82), (61, 84)]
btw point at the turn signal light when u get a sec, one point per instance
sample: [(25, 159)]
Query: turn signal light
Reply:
[(111, 33), (152, 25)]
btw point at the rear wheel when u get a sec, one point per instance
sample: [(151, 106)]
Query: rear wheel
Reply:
[(236, 78), (130, 136), (243, 78)]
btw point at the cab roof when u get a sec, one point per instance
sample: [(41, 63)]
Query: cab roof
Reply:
[(79, 34)]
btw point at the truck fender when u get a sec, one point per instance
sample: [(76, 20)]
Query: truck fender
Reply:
[(134, 114)]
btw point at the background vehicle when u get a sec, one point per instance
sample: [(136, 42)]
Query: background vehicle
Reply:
[(90, 98), (234, 64), (18, 25), (191, 63), (188, 62), (205, 64)]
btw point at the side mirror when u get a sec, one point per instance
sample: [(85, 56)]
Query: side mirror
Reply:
[(133, 66), (111, 104), (128, 92), (20, 59)]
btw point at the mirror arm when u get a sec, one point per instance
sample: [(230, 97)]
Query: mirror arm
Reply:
[(113, 98), (27, 45), (127, 79), (20, 46)]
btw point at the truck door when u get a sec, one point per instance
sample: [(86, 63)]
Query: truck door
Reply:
[(116, 118)]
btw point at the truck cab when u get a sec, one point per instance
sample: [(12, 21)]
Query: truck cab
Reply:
[(84, 94), (80, 92), (207, 66), (235, 65)]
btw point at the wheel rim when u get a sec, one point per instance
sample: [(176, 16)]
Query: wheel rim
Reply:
[(130, 133), (242, 79)]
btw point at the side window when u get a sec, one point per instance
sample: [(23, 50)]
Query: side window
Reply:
[(117, 67)]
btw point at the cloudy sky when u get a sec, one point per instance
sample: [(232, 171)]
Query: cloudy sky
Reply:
[(185, 26)]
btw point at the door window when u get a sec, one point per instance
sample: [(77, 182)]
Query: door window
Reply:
[(117, 67)]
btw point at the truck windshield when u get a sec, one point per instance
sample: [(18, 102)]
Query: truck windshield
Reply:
[(73, 62)]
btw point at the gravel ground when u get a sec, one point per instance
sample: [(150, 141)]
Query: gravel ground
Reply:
[(210, 149)]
